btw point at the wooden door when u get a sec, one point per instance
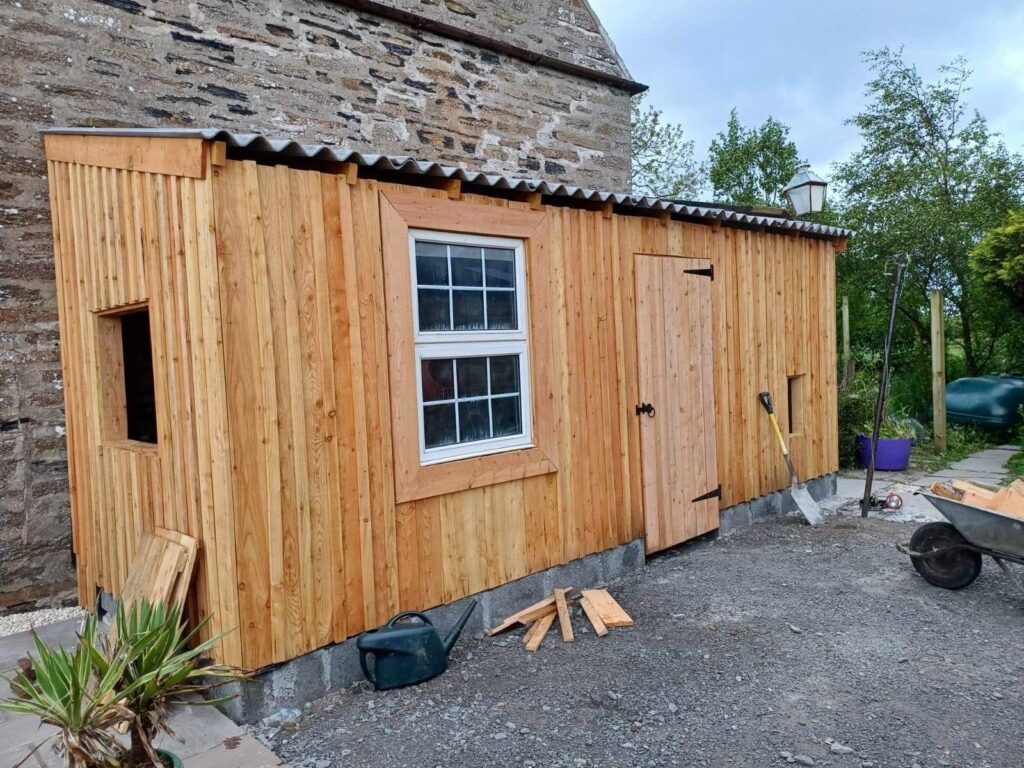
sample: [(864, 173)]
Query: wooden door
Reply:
[(677, 438)]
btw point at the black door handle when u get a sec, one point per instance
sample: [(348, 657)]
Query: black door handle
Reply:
[(645, 408)]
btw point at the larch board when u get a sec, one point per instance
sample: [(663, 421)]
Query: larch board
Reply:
[(673, 332)]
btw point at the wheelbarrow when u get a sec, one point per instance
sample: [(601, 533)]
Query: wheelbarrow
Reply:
[(949, 555)]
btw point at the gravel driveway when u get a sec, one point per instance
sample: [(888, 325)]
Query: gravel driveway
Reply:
[(821, 644)]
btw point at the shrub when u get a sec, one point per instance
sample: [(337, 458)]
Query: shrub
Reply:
[(856, 408)]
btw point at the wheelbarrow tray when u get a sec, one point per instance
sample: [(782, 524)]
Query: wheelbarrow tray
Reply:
[(984, 528)]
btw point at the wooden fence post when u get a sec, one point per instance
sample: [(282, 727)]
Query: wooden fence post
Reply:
[(847, 373), (938, 371)]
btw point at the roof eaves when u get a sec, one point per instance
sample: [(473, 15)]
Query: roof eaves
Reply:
[(259, 144)]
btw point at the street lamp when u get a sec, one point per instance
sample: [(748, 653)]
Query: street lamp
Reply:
[(805, 191)]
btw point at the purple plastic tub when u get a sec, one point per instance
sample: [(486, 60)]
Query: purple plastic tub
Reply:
[(892, 453)]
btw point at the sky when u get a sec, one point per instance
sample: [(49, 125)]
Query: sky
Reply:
[(799, 61)]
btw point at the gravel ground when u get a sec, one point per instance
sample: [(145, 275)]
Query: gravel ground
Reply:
[(814, 645), (22, 622)]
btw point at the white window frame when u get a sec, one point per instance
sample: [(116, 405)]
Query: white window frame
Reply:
[(433, 345)]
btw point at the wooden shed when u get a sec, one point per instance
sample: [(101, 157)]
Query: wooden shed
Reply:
[(367, 384)]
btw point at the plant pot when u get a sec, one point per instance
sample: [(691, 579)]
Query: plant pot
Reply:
[(891, 454), (170, 759)]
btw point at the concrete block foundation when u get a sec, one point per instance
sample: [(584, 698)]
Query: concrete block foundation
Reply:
[(773, 505)]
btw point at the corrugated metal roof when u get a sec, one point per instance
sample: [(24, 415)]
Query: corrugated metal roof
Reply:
[(289, 149)]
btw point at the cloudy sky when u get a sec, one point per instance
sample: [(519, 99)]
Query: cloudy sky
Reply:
[(799, 60)]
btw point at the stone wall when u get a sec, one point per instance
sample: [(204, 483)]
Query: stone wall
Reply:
[(305, 69), (565, 29)]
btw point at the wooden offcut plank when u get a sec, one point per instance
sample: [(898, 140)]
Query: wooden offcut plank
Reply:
[(607, 608), (190, 548), (595, 618), (525, 616), (535, 635), (161, 560), (563, 614)]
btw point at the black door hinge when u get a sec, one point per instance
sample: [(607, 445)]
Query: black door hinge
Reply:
[(715, 494), (645, 408), (709, 272)]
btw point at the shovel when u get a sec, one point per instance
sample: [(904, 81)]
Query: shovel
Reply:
[(808, 506)]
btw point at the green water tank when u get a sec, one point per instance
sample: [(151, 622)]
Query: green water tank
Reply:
[(986, 401)]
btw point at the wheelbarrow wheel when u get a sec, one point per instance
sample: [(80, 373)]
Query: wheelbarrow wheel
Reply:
[(953, 569)]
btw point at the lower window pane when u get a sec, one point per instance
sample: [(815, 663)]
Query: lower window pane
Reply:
[(437, 380), (474, 421), (472, 377), (439, 425), (507, 416), (505, 375)]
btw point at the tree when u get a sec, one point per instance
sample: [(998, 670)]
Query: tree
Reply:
[(662, 161), (998, 260), (750, 166), (929, 179)]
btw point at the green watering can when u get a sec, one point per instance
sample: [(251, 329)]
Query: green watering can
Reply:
[(407, 650)]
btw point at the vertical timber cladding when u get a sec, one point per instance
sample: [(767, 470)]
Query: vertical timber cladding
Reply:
[(324, 550), (138, 234), (265, 287)]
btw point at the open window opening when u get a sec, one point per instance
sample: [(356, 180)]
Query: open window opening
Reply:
[(797, 403), (139, 392), (128, 392)]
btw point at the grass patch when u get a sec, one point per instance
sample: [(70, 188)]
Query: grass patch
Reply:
[(1015, 466), (961, 442)]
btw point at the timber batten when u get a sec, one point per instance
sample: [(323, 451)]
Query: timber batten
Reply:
[(268, 295)]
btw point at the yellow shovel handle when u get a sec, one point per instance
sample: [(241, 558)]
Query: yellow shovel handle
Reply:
[(778, 433)]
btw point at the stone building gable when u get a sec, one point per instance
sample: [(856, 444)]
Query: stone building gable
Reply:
[(319, 70), (564, 29)]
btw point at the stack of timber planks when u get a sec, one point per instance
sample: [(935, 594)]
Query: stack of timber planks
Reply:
[(1007, 501), (600, 608)]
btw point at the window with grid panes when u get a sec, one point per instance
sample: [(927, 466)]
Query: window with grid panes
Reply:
[(469, 319)]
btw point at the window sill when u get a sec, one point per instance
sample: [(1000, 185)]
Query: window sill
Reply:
[(427, 461), (134, 446)]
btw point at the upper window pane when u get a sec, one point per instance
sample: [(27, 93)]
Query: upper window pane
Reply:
[(462, 287), (467, 266), (431, 264), (435, 309), (500, 267), (468, 311)]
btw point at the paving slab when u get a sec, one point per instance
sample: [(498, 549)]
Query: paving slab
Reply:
[(241, 752), (969, 474), (198, 729), (987, 464)]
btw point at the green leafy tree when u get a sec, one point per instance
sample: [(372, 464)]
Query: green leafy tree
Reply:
[(750, 166), (661, 157), (929, 179), (998, 260)]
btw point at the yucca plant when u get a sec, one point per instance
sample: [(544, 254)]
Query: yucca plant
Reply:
[(158, 670), (67, 693), (129, 683)]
